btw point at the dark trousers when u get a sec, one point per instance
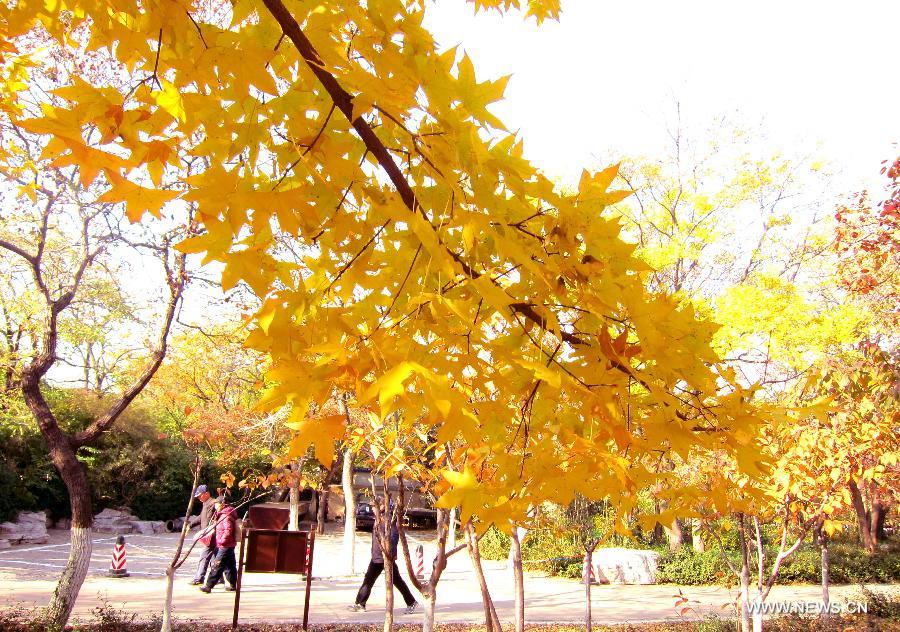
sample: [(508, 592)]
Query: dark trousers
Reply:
[(207, 554), (372, 573), (224, 563)]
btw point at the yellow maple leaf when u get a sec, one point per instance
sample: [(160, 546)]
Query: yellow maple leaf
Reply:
[(138, 200), (169, 99), (319, 432)]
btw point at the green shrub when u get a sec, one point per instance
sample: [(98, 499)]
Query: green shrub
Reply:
[(849, 565), (11, 499), (494, 545), (687, 568), (133, 466), (573, 570), (540, 545), (804, 566)]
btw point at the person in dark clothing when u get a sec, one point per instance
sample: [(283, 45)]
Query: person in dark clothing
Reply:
[(207, 535), (226, 540), (376, 566)]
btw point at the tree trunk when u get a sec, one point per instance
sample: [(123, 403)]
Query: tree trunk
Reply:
[(659, 533), (863, 518), (389, 588), (294, 498), (429, 589), (588, 565), (321, 509), (675, 535), (746, 625), (697, 536), (451, 536), (491, 622), (349, 512), (73, 476), (822, 540), (428, 620), (518, 577), (176, 562), (63, 600), (876, 523), (321, 506)]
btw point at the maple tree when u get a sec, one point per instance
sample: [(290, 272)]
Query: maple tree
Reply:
[(868, 248), (403, 249)]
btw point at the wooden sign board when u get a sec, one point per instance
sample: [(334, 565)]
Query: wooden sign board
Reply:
[(275, 551), (271, 551)]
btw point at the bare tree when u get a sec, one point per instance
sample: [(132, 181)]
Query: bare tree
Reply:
[(58, 263)]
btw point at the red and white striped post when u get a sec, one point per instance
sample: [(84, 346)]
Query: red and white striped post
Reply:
[(420, 562), (117, 566)]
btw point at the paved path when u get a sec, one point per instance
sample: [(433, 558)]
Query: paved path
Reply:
[(28, 576)]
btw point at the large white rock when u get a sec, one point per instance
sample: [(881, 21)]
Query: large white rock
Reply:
[(148, 526), (30, 527), (4, 544), (117, 521), (625, 566)]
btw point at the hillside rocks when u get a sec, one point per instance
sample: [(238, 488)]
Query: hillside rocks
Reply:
[(625, 566), (120, 521), (30, 527)]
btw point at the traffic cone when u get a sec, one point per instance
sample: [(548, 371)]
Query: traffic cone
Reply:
[(420, 562), (117, 566)]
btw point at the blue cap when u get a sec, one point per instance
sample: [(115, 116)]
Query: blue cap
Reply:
[(200, 490)]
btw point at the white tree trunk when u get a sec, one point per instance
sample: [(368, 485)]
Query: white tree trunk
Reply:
[(349, 513), (72, 577), (758, 613), (746, 625), (167, 606), (451, 535), (696, 536), (588, 565), (294, 524), (518, 577), (428, 620)]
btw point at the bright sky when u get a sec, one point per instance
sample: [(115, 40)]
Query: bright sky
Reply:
[(604, 79)]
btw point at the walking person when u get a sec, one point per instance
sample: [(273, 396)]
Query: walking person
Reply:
[(206, 536), (376, 566), (226, 540)]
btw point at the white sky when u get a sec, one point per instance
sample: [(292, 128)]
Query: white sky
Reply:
[(603, 79)]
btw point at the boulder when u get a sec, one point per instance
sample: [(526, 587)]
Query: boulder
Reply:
[(118, 521), (625, 566), (30, 527), (4, 544), (64, 523), (148, 527)]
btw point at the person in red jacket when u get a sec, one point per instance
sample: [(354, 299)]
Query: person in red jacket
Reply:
[(226, 540)]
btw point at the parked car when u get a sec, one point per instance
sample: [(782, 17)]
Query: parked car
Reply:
[(365, 514)]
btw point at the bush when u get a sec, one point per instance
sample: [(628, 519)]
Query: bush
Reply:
[(687, 568), (11, 499), (884, 605), (494, 545), (849, 565), (133, 466)]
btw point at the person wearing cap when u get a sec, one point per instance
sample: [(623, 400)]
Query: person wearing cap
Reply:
[(207, 534)]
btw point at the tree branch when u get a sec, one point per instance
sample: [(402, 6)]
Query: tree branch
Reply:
[(176, 280)]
